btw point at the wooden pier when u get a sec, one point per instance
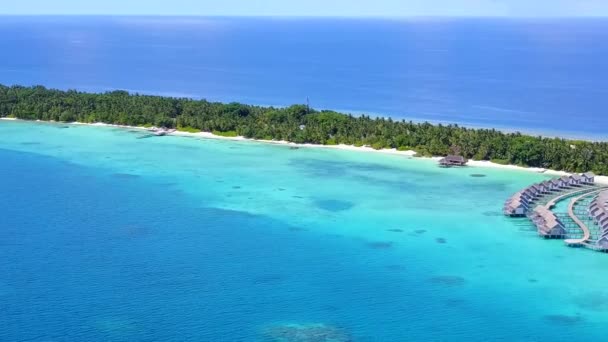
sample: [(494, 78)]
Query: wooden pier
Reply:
[(586, 233)]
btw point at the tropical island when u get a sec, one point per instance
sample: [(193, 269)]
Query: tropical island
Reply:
[(301, 124)]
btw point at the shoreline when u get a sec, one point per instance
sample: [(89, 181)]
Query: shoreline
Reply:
[(393, 151)]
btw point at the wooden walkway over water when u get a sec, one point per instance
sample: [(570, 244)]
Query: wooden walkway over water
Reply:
[(586, 233), (573, 224), (584, 192), (583, 241)]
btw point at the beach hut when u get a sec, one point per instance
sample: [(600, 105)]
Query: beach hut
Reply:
[(588, 178), (453, 160)]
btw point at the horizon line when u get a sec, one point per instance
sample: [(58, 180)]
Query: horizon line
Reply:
[(290, 16)]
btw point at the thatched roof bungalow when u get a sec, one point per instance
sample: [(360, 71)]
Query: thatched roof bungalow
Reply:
[(453, 160)]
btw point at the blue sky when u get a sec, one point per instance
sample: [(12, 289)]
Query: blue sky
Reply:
[(392, 8)]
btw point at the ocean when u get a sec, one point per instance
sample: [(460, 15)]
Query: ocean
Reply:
[(541, 76), (108, 234)]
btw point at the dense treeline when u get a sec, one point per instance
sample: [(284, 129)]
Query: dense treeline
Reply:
[(299, 124)]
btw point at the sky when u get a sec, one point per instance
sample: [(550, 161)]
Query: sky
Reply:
[(348, 8)]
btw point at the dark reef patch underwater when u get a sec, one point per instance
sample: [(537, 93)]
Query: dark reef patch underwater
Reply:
[(448, 280), (315, 332), (564, 319), (380, 245), (334, 205), (121, 175)]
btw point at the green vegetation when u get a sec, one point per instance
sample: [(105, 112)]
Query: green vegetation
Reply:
[(500, 161), (301, 125), (231, 134), (188, 129)]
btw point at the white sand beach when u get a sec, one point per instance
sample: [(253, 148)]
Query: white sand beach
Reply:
[(393, 151)]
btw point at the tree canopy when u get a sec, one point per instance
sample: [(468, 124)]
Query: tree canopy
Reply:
[(300, 124)]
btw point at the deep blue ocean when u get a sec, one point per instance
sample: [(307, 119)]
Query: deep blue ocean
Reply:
[(536, 75)]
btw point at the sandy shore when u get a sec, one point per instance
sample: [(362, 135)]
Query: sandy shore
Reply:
[(393, 151)]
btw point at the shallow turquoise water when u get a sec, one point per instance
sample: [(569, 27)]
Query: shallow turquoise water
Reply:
[(107, 235)]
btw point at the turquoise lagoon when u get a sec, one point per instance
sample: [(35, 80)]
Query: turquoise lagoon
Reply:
[(107, 234)]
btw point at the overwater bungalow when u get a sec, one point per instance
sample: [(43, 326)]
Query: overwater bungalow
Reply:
[(595, 210), (516, 208), (601, 218), (548, 224), (576, 180), (553, 185), (588, 178), (561, 184), (598, 209), (527, 195), (602, 243), (599, 215), (546, 185), (535, 191), (453, 160), (528, 192), (568, 181), (542, 187), (517, 205)]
